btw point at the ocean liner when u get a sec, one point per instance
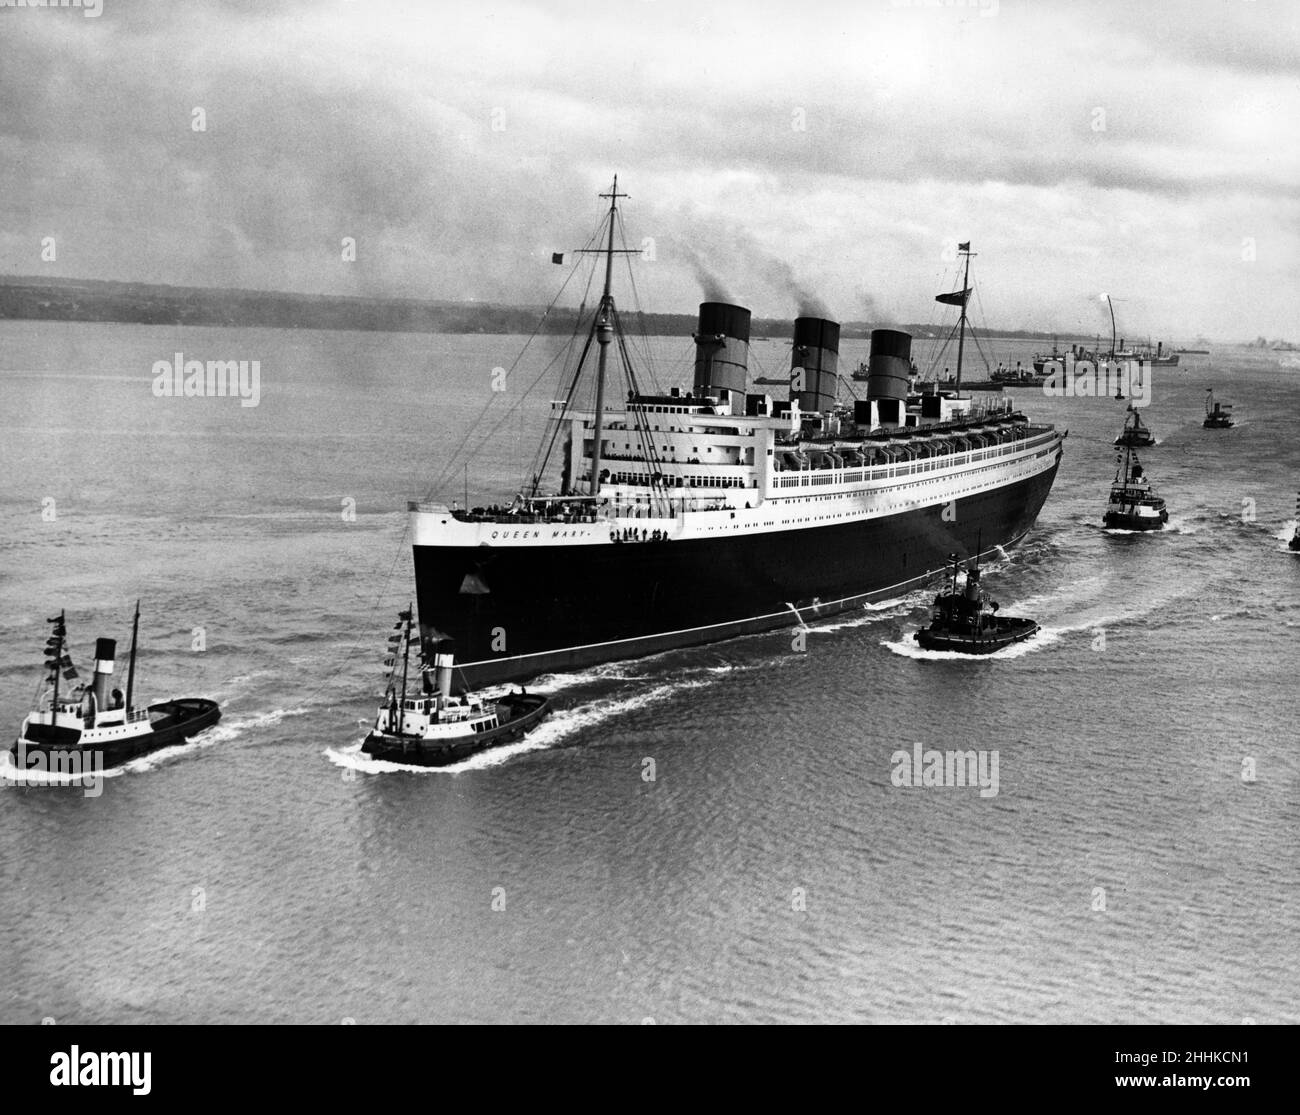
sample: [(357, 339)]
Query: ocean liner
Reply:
[(701, 513)]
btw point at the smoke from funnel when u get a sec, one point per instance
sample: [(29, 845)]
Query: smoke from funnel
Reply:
[(779, 274), (870, 309), (710, 285)]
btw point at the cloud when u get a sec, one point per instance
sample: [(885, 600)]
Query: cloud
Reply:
[(789, 162)]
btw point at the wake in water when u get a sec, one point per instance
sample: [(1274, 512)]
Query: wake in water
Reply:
[(559, 726), (907, 647), (223, 732), (1089, 604), (895, 608)]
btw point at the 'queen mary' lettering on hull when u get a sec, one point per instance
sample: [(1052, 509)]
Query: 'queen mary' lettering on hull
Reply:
[(696, 516)]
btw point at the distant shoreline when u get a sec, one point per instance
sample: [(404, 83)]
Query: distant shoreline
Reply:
[(30, 298)]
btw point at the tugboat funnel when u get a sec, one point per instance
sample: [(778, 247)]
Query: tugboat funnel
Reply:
[(105, 652), (444, 664)]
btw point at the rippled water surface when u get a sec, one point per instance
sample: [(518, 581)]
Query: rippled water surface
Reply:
[(770, 871)]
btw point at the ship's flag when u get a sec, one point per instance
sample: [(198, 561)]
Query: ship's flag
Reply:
[(404, 615), (557, 257), (956, 298), (964, 247), (70, 674)]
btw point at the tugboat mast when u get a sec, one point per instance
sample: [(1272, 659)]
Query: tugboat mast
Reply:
[(58, 666), (130, 669), (406, 658), (604, 334)]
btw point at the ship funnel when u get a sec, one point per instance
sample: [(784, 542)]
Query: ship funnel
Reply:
[(105, 652), (889, 365), (721, 349), (814, 362), (444, 660)]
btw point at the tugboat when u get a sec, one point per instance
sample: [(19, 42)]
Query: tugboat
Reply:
[(1216, 414), (432, 728), (1294, 544), (1134, 504), (1135, 433), (96, 723), (967, 621)]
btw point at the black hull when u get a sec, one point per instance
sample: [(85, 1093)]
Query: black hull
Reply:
[(1144, 442), (178, 721), (555, 608), (525, 712), (1008, 632), (1126, 522)]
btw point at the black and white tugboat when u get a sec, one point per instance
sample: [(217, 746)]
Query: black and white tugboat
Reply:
[(1216, 414), (97, 722), (1134, 504), (423, 724), (967, 621), (1135, 433)]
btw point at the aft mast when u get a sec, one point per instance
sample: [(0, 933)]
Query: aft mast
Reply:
[(964, 249), (604, 334), (960, 298), (1111, 304)]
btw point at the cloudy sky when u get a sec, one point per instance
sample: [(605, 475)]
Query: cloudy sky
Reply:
[(829, 150)]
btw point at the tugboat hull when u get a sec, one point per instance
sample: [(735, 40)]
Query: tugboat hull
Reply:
[(170, 723), (519, 712), (1116, 521), (1007, 632)]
